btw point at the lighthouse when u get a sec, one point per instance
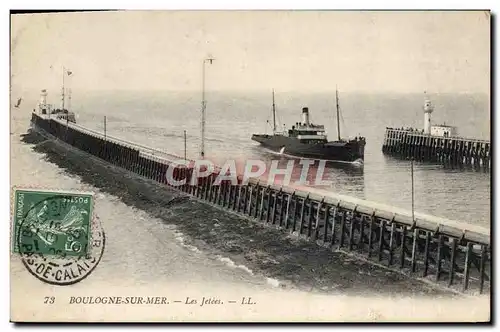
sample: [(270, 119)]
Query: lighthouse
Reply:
[(43, 97), (42, 105), (428, 108)]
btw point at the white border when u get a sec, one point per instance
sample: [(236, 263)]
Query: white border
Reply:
[(187, 4), (254, 4)]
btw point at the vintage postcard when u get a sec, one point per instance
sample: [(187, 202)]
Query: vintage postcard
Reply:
[(250, 166)]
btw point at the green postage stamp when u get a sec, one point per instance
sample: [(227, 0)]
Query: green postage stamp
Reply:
[(52, 222)]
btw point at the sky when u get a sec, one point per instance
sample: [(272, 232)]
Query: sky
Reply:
[(358, 51)]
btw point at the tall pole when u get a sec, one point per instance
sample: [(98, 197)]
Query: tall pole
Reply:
[(63, 74), (69, 99), (105, 127), (274, 115), (203, 107), (185, 146), (338, 119), (412, 195), (202, 148)]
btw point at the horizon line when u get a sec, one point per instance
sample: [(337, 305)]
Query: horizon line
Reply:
[(277, 91)]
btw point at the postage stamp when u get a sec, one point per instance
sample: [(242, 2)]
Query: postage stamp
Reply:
[(56, 234), (52, 223)]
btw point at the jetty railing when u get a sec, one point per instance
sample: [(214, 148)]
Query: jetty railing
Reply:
[(145, 151), (446, 150), (160, 154), (448, 253)]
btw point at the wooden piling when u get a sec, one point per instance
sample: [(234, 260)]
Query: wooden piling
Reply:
[(206, 186), (289, 200), (227, 195), (391, 243), (414, 250), (439, 257), (381, 239), (342, 230), (426, 253), (302, 210), (294, 215), (402, 247), (468, 254), (210, 189), (318, 212), (370, 236), (352, 221), (241, 191), (275, 202), (268, 209), (236, 199), (258, 191), (360, 244), (452, 261), (219, 193), (309, 219), (250, 194), (334, 221), (482, 269), (261, 212), (282, 208)]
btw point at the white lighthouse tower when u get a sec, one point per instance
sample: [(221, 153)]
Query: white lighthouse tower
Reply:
[(42, 105), (43, 97), (428, 109)]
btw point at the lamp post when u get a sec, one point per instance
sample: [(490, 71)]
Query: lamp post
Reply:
[(203, 107), (62, 94), (412, 194), (185, 146)]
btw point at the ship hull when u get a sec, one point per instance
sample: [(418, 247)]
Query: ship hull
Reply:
[(350, 151)]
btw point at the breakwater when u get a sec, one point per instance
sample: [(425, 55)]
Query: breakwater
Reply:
[(444, 253), (456, 151)]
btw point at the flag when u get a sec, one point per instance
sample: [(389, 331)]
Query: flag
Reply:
[(69, 72)]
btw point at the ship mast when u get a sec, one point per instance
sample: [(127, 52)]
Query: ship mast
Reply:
[(338, 108), (62, 95), (69, 99), (203, 106), (274, 115)]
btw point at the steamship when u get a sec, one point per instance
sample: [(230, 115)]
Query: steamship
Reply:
[(307, 140)]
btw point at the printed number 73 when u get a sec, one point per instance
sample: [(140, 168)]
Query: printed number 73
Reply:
[(49, 300)]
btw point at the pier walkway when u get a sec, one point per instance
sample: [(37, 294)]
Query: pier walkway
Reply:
[(445, 252)]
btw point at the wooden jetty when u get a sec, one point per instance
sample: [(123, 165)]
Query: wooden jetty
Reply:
[(457, 151), (437, 143), (448, 253)]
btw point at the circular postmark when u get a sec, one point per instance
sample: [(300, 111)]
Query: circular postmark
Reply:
[(58, 240)]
